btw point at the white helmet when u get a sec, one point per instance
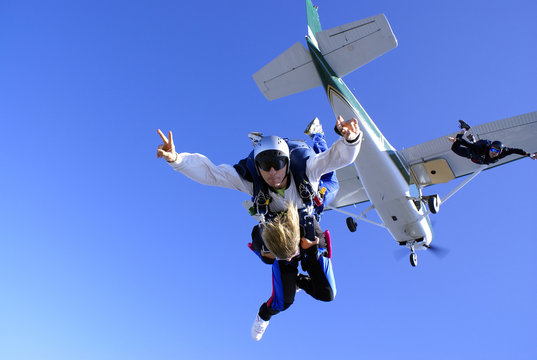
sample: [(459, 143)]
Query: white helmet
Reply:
[(270, 148)]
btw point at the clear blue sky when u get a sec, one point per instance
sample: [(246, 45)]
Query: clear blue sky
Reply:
[(106, 253)]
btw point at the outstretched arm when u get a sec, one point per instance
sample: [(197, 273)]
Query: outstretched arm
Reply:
[(508, 151), (200, 169), (340, 154)]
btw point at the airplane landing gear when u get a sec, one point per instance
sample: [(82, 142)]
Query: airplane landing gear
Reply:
[(433, 202), (351, 224), (413, 259)]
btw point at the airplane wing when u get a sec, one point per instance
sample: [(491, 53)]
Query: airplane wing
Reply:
[(433, 162), (351, 190)]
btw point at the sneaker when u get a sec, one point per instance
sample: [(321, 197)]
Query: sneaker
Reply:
[(255, 137), (258, 328), (314, 127), (464, 125)]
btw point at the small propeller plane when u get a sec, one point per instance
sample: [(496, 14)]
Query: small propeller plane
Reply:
[(392, 181)]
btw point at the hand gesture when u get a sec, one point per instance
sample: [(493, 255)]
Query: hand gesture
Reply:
[(348, 129), (268, 255), (533, 156), (306, 243), (166, 150)]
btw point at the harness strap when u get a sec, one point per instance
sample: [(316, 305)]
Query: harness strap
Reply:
[(300, 152)]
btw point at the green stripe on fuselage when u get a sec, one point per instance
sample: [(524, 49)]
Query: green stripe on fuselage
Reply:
[(334, 86)]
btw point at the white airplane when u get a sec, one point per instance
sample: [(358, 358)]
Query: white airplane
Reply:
[(392, 181)]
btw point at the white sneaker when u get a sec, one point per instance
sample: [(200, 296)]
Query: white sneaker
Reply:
[(314, 127), (255, 137), (258, 328)]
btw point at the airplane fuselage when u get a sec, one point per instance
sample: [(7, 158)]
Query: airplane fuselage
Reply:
[(384, 176)]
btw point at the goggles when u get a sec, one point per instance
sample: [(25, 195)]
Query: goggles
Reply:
[(274, 163), (494, 150)]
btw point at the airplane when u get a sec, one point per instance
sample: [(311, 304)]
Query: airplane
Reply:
[(392, 181)]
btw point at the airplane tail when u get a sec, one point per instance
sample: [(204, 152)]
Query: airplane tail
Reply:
[(314, 25), (344, 48)]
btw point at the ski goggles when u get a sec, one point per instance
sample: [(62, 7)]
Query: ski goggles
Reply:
[(274, 163)]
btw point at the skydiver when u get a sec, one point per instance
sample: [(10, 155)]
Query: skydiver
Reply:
[(272, 165), (289, 242), (328, 181), (483, 152), (315, 131)]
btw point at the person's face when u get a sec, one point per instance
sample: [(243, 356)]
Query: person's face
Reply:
[(493, 152), (274, 178)]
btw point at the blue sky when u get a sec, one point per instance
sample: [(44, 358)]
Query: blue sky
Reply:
[(106, 253)]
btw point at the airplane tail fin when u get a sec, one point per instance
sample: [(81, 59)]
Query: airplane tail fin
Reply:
[(314, 25), (344, 49)]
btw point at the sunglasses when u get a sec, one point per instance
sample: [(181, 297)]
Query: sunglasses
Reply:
[(276, 164), (494, 150)]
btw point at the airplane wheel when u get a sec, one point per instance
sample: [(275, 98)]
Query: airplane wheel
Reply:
[(413, 259), (434, 203), (351, 224)]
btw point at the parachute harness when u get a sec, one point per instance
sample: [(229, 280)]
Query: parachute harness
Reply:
[(261, 203)]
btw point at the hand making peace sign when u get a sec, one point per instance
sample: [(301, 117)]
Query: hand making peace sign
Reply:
[(348, 129), (166, 150)]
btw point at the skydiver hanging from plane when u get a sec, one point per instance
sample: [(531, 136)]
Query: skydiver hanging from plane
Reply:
[(284, 182), (483, 152)]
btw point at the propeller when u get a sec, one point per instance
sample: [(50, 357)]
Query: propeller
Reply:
[(400, 253), (438, 251)]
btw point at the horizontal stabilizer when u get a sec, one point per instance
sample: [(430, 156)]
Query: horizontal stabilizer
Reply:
[(350, 46), (345, 48), (290, 73)]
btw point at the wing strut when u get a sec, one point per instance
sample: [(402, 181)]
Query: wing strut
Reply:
[(462, 184), (457, 188), (360, 217)]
